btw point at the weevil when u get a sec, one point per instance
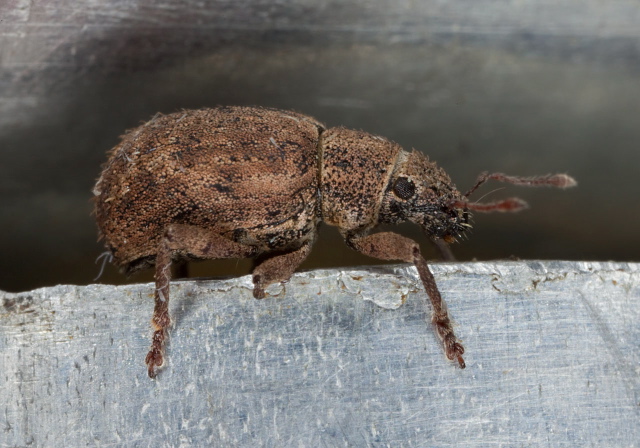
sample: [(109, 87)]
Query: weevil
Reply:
[(252, 182)]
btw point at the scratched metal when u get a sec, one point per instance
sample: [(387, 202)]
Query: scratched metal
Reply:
[(333, 358)]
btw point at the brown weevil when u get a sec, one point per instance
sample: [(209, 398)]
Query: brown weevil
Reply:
[(249, 182)]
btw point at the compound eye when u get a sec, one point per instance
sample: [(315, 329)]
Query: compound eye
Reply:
[(404, 188)]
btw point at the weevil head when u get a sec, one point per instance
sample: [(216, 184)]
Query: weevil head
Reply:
[(421, 192)]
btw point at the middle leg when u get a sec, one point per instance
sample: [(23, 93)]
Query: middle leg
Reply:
[(277, 268)]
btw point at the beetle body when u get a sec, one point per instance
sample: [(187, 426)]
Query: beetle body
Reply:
[(240, 182), (251, 175), (260, 177)]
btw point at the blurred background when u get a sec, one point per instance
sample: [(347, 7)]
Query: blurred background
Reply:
[(524, 87)]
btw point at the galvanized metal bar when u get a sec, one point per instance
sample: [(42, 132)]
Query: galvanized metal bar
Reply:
[(332, 358)]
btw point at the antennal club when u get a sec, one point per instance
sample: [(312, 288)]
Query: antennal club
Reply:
[(513, 204), (550, 180)]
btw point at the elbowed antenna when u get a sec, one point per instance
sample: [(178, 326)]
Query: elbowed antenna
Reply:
[(512, 204), (505, 205)]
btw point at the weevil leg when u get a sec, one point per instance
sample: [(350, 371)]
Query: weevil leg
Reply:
[(190, 240), (277, 268), (180, 269), (391, 246), (161, 319), (443, 248)]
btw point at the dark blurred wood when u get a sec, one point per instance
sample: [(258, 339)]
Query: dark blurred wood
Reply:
[(527, 87)]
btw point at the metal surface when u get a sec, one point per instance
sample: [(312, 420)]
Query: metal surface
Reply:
[(333, 358), (525, 87)]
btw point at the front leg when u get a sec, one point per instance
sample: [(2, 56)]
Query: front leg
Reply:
[(391, 246)]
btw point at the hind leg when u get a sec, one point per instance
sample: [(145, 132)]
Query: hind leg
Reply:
[(193, 241)]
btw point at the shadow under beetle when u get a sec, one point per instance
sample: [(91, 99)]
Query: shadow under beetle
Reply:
[(249, 182)]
